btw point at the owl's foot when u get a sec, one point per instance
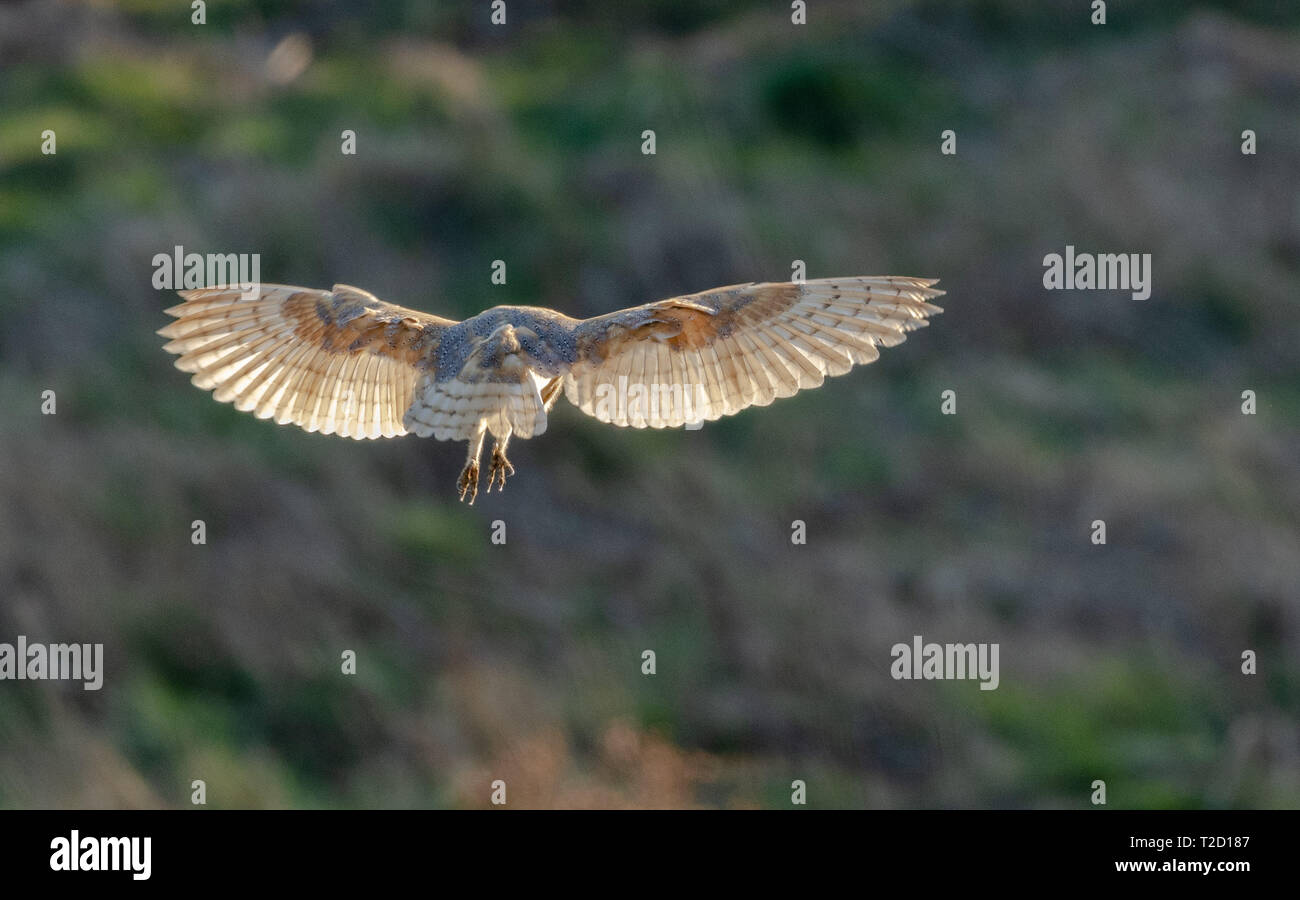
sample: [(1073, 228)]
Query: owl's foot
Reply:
[(498, 471), (468, 481)]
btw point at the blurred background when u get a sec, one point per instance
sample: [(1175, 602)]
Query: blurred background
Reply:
[(775, 142)]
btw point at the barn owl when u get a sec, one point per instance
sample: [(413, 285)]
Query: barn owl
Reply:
[(345, 362)]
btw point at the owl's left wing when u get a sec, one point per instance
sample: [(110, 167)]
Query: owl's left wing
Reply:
[(706, 355), (339, 362)]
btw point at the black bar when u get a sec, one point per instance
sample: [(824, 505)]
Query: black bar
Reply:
[(330, 849)]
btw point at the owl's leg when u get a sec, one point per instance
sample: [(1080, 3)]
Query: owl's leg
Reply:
[(468, 481), (500, 465)]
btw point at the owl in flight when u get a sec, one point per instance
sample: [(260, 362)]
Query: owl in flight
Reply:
[(345, 362)]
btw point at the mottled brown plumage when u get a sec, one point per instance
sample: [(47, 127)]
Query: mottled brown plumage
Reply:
[(345, 362)]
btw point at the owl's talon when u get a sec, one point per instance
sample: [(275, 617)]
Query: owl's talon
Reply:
[(498, 471), (468, 482)]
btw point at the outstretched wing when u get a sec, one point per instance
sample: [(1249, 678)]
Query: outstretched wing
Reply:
[(340, 361), (707, 355)]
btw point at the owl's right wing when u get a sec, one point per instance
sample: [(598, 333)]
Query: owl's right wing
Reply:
[(340, 361)]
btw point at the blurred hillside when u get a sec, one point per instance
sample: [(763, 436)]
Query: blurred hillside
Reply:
[(774, 143)]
